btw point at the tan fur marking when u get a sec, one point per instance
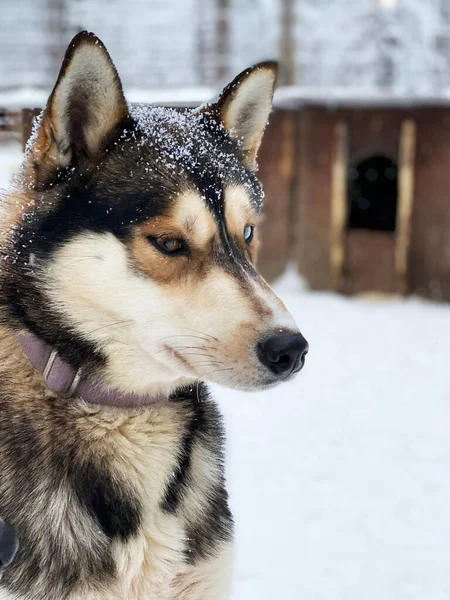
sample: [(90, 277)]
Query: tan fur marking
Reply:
[(190, 210), (188, 219), (239, 213)]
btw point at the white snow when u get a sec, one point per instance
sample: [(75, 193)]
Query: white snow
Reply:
[(402, 48), (339, 480), (295, 96), (10, 159)]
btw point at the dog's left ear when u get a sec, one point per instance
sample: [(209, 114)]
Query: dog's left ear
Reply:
[(86, 106), (245, 104)]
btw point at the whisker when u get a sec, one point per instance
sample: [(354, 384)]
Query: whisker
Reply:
[(189, 347), (182, 348), (219, 371), (208, 363), (196, 354), (122, 323), (186, 335), (201, 332)]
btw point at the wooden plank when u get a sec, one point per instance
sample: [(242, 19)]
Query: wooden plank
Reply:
[(287, 44), (222, 39), (370, 262), (406, 162), (276, 170), (339, 204)]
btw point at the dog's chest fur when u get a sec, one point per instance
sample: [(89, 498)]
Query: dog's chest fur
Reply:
[(108, 503)]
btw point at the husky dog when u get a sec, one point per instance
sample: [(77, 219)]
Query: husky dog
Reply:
[(127, 281)]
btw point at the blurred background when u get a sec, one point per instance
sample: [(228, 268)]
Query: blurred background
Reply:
[(358, 140), (395, 45), (339, 481)]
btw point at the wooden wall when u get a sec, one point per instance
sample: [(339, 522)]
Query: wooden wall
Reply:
[(429, 260)]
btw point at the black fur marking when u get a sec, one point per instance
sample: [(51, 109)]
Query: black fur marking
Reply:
[(177, 486), (117, 511), (36, 461), (215, 528), (197, 424), (205, 428)]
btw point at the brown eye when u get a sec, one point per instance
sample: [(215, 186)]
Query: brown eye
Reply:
[(172, 246)]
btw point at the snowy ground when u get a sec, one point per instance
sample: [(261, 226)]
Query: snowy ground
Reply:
[(340, 480), (10, 159)]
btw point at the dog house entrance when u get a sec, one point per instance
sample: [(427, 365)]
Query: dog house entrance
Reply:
[(373, 194)]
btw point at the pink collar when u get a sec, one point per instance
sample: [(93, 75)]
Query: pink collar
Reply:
[(67, 382)]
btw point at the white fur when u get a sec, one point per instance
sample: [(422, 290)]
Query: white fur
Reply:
[(252, 98), (92, 76)]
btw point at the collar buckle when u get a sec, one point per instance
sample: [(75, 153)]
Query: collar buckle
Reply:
[(46, 374)]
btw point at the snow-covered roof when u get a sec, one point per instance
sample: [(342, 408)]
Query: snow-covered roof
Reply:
[(297, 97), (289, 97), (37, 98)]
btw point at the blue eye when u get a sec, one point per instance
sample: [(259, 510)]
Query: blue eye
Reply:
[(248, 233)]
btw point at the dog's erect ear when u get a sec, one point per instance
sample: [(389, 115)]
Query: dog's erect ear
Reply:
[(86, 105), (245, 104)]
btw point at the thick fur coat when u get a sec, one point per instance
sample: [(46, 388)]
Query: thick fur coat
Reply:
[(128, 243)]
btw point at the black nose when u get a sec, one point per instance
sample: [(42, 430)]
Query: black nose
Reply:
[(8, 543), (284, 354)]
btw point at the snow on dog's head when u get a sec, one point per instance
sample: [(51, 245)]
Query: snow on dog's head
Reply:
[(136, 235)]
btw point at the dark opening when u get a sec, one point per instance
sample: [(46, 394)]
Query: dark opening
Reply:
[(372, 194)]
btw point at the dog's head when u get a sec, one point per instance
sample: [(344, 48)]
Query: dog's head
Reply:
[(136, 238)]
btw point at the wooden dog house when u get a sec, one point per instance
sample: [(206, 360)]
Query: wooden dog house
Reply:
[(369, 202)]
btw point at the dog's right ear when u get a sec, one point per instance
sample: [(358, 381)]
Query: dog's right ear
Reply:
[(86, 106), (244, 106)]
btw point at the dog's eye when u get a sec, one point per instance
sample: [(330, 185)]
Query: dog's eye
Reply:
[(248, 233), (172, 246)]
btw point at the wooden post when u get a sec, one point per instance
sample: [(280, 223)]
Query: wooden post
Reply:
[(287, 174), (406, 160), (222, 48), (201, 49), (339, 210), (287, 74), (56, 12)]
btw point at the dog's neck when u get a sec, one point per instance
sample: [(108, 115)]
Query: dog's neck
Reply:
[(67, 382)]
